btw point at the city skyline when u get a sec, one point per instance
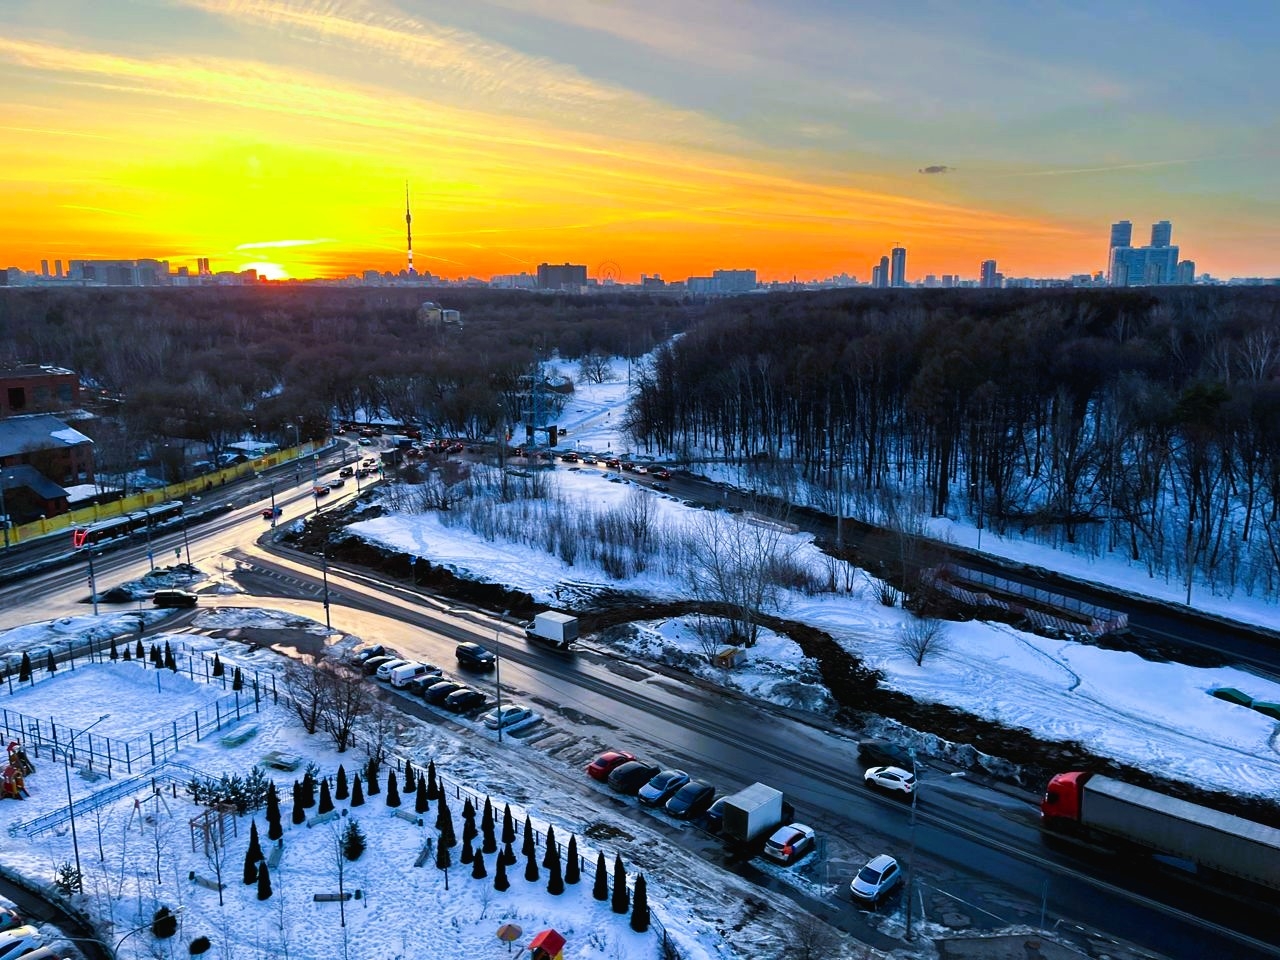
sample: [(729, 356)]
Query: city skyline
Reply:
[(278, 135)]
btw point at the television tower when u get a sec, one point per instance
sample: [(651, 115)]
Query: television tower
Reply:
[(408, 226)]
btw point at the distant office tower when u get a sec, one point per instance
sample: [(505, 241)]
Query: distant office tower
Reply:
[(565, 276), (44, 268), (734, 281), (1187, 272), (1122, 234), (880, 274), (987, 278), (898, 276), (57, 269), (948, 281), (1161, 233)]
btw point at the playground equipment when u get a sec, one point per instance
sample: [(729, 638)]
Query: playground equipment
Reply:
[(13, 781)]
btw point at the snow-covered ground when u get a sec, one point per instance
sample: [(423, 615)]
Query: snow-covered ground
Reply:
[(1156, 715)]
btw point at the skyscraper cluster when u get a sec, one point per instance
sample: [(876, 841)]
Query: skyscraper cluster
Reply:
[(1152, 265), (892, 270)]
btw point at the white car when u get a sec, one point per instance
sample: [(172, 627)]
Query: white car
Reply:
[(788, 844), (891, 778), (510, 715), (878, 877), (384, 671), (18, 941)]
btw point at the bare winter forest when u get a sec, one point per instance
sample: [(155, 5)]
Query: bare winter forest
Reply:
[(1145, 421)]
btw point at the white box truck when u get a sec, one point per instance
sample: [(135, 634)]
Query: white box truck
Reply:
[(554, 629), (751, 814)]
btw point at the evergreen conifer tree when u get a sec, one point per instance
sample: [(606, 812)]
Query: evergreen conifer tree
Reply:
[(326, 798), (342, 792), (237, 680), (264, 881), (531, 868), (371, 777), (433, 788), (357, 792), (393, 791), (420, 804), (218, 668), (551, 851), (138, 652), (487, 828), (128, 654), (527, 848), (252, 855), (170, 660), (508, 826), (508, 855), (49, 663), (468, 854), (155, 656), (114, 654), (444, 823), (572, 869), (443, 859), (410, 779), (309, 790), (299, 811), (500, 881), (469, 831), (601, 889), (274, 830), (621, 899), (640, 907), (353, 842), (24, 669), (555, 882), (478, 870)]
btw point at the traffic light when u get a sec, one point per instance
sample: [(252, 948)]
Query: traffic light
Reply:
[(553, 436), (78, 538)]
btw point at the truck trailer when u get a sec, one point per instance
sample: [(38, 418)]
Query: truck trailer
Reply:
[(1105, 808), (751, 814), (552, 628)]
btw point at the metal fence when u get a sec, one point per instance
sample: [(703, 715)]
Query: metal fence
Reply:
[(1041, 607)]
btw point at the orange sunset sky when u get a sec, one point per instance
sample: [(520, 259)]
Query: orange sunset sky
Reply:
[(671, 138)]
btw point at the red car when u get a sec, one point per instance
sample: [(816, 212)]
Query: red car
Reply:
[(661, 474), (606, 763)]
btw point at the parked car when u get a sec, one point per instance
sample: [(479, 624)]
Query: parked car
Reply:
[(371, 664), (464, 699), (475, 656), (661, 786), (116, 595), (606, 763), (19, 940), (365, 442), (9, 919), (691, 800), (878, 877), (882, 753), (661, 473), (788, 844), (714, 818), (629, 777), (404, 674), (590, 460), (270, 513), (175, 598), (510, 715), (438, 691), (424, 684), (894, 779), (661, 487), (361, 656), (383, 672)]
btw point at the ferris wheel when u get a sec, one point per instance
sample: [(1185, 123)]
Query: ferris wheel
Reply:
[(609, 272)]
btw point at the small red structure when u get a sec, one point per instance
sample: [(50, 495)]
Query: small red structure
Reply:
[(548, 945)]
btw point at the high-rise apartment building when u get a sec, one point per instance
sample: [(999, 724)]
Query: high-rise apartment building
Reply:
[(1161, 233), (1129, 266), (898, 271), (1187, 272), (734, 281), (565, 276), (987, 275)]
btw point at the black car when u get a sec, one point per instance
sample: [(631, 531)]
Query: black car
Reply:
[(116, 595), (438, 691), (426, 683), (475, 656), (370, 666), (418, 684), (175, 598), (715, 814), (464, 699), (631, 776), (691, 800), (882, 753), (361, 656)]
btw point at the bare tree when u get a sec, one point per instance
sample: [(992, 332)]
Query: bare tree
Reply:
[(811, 939), (637, 516), (346, 701), (921, 637), (306, 686), (380, 726), (733, 562), (595, 368)]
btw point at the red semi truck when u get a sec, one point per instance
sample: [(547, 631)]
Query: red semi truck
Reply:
[(1104, 808)]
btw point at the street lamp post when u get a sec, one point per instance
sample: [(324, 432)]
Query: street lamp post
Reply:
[(71, 810), (911, 862), (324, 572), (497, 670), (273, 503), (4, 514)]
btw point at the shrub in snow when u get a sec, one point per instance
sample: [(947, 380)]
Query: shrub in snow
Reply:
[(67, 880), (164, 924), (371, 776), (342, 791), (555, 882), (326, 798), (410, 780), (274, 830), (420, 804), (433, 788), (237, 680), (357, 792), (218, 668), (199, 945), (264, 882), (621, 899), (551, 853), (572, 873), (478, 870), (601, 889), (467, 853), (508, 826), (246, 794), (252, 855), (640, 908), (527, 849), (500, 881), (24, 669), (49, 664), (531, 868), (487, 828)]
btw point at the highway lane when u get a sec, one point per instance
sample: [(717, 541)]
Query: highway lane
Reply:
[(981, 849)]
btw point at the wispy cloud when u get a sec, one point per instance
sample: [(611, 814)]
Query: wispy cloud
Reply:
[(1110, 168), (264, 244)]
